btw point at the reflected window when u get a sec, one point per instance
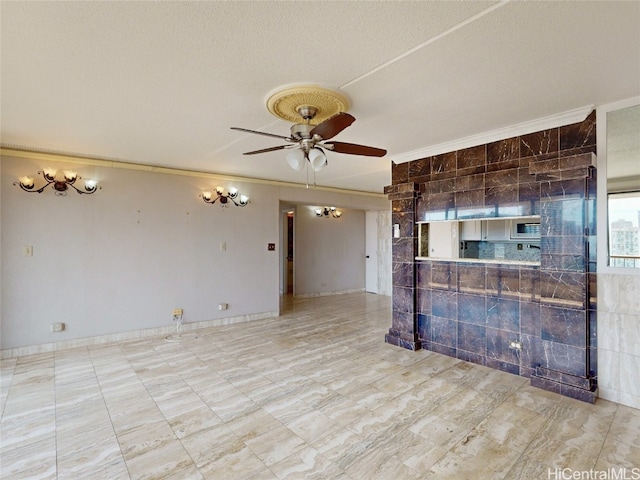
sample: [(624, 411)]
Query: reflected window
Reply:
[(624, 231)]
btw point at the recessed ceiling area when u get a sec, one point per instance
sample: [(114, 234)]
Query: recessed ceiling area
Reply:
[(161, 83)]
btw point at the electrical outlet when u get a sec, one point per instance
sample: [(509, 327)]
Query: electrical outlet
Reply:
[(27, 251), (57, 327), (177, 311), (515, 344), (223, 306), (223, 246)]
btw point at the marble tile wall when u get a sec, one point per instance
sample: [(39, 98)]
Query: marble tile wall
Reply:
[(474, 312)]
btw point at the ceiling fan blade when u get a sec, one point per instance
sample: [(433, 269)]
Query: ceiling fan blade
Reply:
[(265, 150), (333, 126), (262, 133), (355, 149)]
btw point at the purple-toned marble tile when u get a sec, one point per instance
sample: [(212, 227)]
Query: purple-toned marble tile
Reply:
[(403, 249), (470, 357), (402, 274), (564, 358), (563, 325), (530, 319), (443, 349), (512, 368), (472, 308), (472, 338), (444, 276), (423, 274), (472, 278), (498, 342), (424, 327), (402, 321), (503, 282), (444, 305), (444, 331), (423, 300), (557, 262), (503, 314), (563, 289), (563, 245), (530, 284), (402, 300)]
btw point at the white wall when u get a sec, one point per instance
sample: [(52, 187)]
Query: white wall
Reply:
[(122, 259), (329, 253)]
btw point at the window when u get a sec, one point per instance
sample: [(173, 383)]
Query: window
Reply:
[(624, 229)]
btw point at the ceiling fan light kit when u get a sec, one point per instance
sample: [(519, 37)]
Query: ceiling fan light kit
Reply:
[(324, 116)]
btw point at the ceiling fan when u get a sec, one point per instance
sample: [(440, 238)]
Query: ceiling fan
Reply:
[(308, 142)]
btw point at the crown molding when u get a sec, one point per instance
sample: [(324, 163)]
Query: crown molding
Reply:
[(11, 151), (545, 123)]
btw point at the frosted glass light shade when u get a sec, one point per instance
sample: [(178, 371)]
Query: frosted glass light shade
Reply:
[(295, 159), (317, 159)]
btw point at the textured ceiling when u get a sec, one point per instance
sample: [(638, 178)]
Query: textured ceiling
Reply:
[(160, 83)]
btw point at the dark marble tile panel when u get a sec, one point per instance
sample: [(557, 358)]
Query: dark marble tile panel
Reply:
[(588, 396), (498, 345), (503, 150), (501, 178), (503, 282), (540, 143), (592, 278), (592, 321), (579, 134), (402, 300), (529, 192), (509, 164), (402, 321), (545, 384), (563, 245), (503, 314), (406, 222), (530, 284), (532, 351), (399, 172), (577, 381), (577, 161), (593, 363), (472, 278), (424, 327), (443, 166), (444, 276), (444, 305), (503, 197), (469, 182), (472, 338), (403, 250), (563, 325), (471, 160), (444, 331), (423, 274), (443, 349), (512, 368), (564, 358), (441, 201), (574, 263), (530, 323), (423, 300), (402, 274), (525, 176), (563, 189), (557, 175), (403, 206), (470, 212), (563, 289), (469, 200), (423, 211), (563, 217), (419, 168), (471, 357), (442, 186), (472, 308)]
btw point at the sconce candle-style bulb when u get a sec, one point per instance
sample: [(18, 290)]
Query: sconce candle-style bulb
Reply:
[(90, 185), (26, 182), (219, 190), (70, 176), (49, 174), (244, 200), (206, 196)]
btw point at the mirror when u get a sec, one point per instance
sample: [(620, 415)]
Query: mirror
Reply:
[(623, 186)]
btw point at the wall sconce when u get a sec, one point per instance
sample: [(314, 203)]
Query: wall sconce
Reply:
[(60, 185), (224, 199), (326, 211)]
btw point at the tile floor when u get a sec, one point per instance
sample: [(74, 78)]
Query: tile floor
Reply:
[(314, 393)]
